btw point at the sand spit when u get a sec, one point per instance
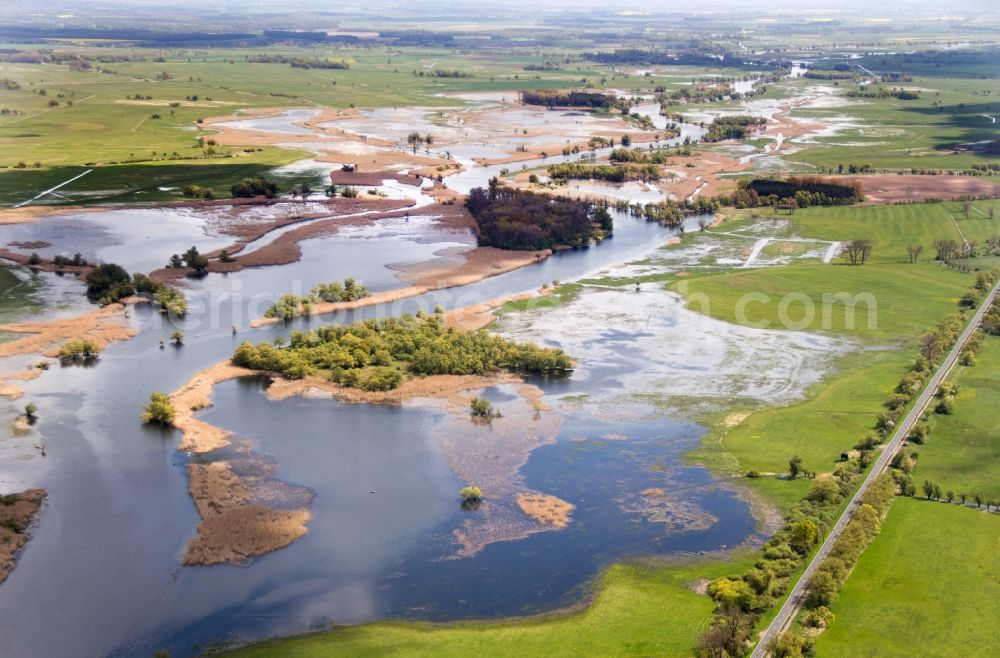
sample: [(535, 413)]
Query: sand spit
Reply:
[(443, 387), (475, 264), (199, 436), (16, 518), (546, 509), (233, 528)]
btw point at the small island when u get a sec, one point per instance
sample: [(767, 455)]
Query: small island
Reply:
[(379, 355), (507, 218)]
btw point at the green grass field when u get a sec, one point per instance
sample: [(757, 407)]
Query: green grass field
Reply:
[(963, 452), (637, 611), (897, 134), (929, 585), (909, 300)]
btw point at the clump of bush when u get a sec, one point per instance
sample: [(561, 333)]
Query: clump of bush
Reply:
[(249, 188), (471, 494), (78, 350), (481, 408), (159, 411)]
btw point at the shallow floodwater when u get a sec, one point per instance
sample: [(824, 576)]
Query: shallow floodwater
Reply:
[(102, 572)]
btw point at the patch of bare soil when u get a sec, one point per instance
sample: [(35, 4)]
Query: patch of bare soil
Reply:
[(883, 189), (16, 517), (546, 509), (372, 178)]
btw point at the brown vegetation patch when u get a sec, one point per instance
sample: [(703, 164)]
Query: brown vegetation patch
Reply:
[(15, 520), (103, 326), (546, 509), (239, 534)]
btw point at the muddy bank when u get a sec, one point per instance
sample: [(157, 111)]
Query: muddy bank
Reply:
[(285, 249), (17, 512), (373, 178)]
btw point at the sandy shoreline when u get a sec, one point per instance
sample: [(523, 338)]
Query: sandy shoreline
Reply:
[(479, 263)]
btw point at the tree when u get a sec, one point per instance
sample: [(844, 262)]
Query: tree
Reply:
[(914, 250), (732, 592), (178, 338), (109, 282), (30, 410), (950, 496), (824, 489), (963, 496), (928, 489), (979, 499), (159, 411), (34, 259), (823, 588), (802, 535), (858, 251), (195, 260), (253, 187), (794, 466), (946, 249), (937, 492)]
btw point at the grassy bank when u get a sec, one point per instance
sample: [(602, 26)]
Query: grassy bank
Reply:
[(931, 580), (637, 611)]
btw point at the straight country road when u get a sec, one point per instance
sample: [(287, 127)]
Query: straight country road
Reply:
[(795, 599)]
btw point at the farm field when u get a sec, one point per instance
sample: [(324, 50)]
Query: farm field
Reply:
[(928, 580)]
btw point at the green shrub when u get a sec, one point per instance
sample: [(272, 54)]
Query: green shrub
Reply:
[(159, 411)]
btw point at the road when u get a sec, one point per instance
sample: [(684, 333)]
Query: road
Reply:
[(52, 189), (797, 596)]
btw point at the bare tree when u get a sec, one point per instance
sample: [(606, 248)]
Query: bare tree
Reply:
[(946, 249), (858, 251), (966, 207), (930, 347), (914, 250)]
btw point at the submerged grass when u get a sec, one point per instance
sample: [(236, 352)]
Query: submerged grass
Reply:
[(637, 610)]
